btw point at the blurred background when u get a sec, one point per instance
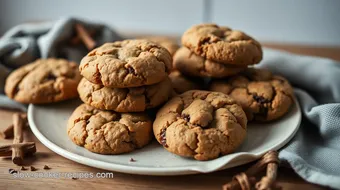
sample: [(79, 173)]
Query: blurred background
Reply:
[(304, 22)]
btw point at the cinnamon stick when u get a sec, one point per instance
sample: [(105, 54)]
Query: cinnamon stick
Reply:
[(268, 182), (253, 170), (8, 132), (85, 37), (18, 125)]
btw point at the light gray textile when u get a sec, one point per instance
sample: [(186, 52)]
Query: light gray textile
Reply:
[(314, 153)]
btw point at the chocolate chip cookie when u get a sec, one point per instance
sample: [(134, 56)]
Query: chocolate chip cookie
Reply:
[(262, 95), (181, 83), (43, 81), (200, 124), (168, 43), (222, 44), (134, 99), (128, 63), (194, 65), (108, 132)]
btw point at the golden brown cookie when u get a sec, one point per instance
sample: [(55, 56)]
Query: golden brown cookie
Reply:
[(134, 99), (262, 95), (128, 63), (222, 44), (108, 132), (181, 83), (170, 44), (43, 81), (200, 124), (194, 65)]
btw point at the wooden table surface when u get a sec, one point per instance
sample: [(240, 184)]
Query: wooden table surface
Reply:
[(286, 178)]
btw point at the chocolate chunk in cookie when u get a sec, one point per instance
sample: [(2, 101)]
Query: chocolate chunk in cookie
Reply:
[(201, 124), (222, 44), (263, 96), (108, 132), (128, 63), (43, 81)]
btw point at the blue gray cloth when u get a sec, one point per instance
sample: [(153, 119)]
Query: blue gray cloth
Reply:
[(314, 153)]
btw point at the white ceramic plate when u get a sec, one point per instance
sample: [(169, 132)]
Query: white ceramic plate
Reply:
[(48, 123)]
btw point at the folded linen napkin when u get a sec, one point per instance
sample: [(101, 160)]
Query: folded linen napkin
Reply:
[(314, 153)]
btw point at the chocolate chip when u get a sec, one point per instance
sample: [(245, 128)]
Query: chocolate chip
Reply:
[(33, 168), (12, 171), (87, 121), (263, 111), (186, 117), (260, 99), (132, 160), (131, 70), (23, 168), (163, 138), (50, 76), (46, 167), (207, 40), (16, 90), (74, 178)]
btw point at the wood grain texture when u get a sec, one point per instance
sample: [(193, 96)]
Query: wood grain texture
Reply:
[(286, 177)]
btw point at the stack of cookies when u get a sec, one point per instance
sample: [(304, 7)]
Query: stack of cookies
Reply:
[(180, 82), (213, 51), (224, 55), (121, 81), (206, 124)]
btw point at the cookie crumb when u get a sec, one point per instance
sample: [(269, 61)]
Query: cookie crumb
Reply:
[(132, 160), (74, 178), (33, 168), (12, 171), (46, 167), (23, 168)]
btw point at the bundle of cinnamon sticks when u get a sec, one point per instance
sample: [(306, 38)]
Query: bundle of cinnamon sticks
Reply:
[(246, 180)]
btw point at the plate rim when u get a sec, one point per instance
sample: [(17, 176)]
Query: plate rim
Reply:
[(141, 170)]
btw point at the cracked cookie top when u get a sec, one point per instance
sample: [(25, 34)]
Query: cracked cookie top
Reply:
[(262, 95), (43, 81), (194, 65), (200, 124), (108, 132), (128, 63), (222, 44), (134, 99)]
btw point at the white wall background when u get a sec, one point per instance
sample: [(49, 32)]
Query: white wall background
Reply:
[(314, 22)]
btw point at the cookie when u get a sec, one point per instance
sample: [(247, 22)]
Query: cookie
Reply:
[(263, 96), (194, 65), (181, 83), (200, 124), (108, 132), (168, 43), (128, 63), (222, 44), (134, 99), (43, 81)]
